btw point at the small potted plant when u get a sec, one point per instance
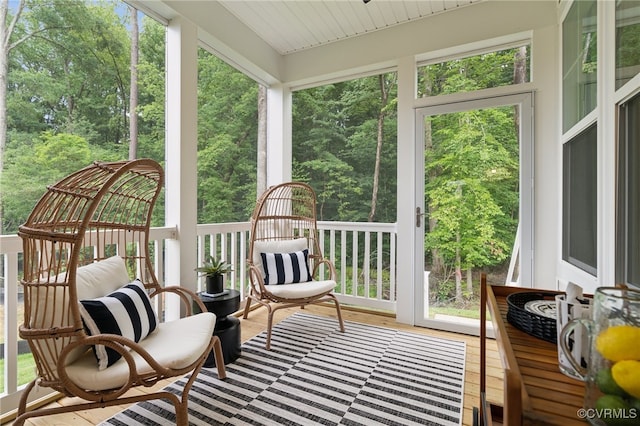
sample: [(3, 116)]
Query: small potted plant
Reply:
[(214, 271)]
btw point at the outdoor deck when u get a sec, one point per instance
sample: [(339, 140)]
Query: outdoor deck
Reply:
[(256, 323)]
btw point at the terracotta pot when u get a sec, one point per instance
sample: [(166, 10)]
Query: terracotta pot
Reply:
[(215, 284)]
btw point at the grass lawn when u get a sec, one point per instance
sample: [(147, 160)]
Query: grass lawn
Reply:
[(26, 370), (26, 364)]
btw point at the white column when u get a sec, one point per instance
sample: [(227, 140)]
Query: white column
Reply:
[(181, 155), (279, 144), (407, 176), (607, 143)]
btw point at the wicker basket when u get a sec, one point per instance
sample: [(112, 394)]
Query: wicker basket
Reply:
[(530, 322)]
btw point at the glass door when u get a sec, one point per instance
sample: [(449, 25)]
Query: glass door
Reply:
[(475, 202)]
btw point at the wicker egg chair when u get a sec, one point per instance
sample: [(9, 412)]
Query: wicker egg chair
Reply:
[(284, 223), (87, 237)]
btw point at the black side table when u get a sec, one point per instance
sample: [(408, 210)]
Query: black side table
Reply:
[(227, 327)]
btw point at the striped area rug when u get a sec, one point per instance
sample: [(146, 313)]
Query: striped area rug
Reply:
[(316, 375)]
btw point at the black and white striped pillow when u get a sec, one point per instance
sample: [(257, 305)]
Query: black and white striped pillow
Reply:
[(286, 268), (126, 312)]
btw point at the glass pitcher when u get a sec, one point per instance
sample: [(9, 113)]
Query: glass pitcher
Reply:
[(612, 375)]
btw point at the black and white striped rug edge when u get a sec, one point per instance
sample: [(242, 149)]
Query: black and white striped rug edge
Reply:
[(315, 375)]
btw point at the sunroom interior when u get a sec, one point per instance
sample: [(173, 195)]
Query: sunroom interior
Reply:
[(281, 47), (288, 46)]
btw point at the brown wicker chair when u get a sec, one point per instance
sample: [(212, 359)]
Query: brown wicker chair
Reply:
[(88, 233), (284, 222)]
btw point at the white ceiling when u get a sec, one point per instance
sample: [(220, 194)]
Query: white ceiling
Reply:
[(302, 42), (294, 25)]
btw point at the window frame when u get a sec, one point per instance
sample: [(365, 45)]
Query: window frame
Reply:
[(624, 197)]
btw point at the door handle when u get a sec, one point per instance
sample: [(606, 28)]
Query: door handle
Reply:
[(419, 215)]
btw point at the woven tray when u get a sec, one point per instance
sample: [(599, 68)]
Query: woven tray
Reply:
[(531, 323)]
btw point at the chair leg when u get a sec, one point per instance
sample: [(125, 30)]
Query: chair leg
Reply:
[(339, 313), (22, 404), (219, 357), (182, 408), (247, 307), (269, 325)]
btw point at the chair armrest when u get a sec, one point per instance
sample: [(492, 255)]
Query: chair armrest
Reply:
[(329, 264), (186, 296), (257, 280)]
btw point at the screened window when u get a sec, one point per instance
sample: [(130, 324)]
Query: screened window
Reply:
[(579, 62), (627, 41), (579, 228), (227, 140), (492, 69), (628, 209), (344, 141)]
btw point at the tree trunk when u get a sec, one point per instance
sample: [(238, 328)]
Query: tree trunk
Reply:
[(469, 282), (261, 180), (458, 270), (384, 97), (437, 263), (5, 35), (133, 91), (519, 77)]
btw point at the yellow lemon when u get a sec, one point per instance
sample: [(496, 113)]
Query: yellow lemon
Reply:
[(607, 384), (620, 342), (627, 375)]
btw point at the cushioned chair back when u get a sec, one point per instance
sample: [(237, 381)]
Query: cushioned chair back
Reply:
[(285, 212), (93, 214)]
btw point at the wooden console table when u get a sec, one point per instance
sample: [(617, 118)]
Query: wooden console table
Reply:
[(535, 391)]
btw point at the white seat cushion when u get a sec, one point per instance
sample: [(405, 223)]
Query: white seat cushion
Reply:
[(100, 278), (174, 344), (301, 290)]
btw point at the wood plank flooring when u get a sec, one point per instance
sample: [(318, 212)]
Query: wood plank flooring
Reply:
[(256, 323)]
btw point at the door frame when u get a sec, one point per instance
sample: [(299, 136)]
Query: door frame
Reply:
[(525, 100)]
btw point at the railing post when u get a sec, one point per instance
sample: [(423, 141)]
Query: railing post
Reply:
[(11, 316)]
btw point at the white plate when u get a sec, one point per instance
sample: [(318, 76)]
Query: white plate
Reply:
[(545, 308)]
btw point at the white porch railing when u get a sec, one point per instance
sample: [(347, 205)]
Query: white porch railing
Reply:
[(364, 254)]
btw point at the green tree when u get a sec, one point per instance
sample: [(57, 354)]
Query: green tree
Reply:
[(67, 79), (472, 174), (74, 76), (337, 130), (227, 141), (472, 168), (34, 165), (151, 98)]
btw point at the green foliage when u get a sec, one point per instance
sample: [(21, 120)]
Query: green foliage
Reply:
[(484, 71), (227, 142), (334, 147), (472, 168), (471, 193), (76, 69), (26, 370), (34, 164), (213, 267), (68, 103)]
